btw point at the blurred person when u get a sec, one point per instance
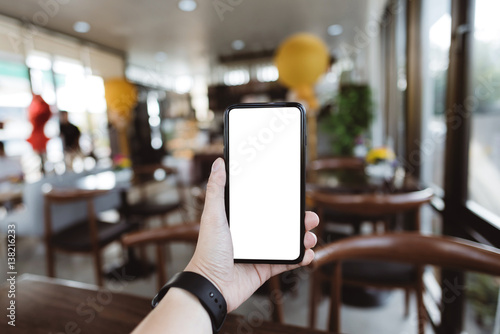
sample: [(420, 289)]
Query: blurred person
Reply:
[(70, 136), (180, 311)]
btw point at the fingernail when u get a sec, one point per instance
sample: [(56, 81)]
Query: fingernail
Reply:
[(216, 165)]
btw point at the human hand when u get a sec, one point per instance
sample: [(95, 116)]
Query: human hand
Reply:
[(213, 257)]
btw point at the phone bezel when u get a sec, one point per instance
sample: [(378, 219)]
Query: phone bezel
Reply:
[(303, 145)]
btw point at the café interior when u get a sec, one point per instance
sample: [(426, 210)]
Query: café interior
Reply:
[(111, 115)]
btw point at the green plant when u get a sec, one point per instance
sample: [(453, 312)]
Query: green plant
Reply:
[(349, 116), (482, 292)]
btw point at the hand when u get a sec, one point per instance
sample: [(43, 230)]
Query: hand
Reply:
[(213, 257)]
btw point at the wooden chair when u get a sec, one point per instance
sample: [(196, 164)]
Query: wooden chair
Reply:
[(370, 206), (148, 206), (180, 233), (411, 248), (336, 163), (375, 208), (158, 237), (88, 236)]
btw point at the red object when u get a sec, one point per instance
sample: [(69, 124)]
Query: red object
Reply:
[(38, 114)]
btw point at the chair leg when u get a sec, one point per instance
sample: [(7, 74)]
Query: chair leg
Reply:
[(98, 267), (335, 296), (407, 301), (143, 255), (422, 317), (275, 287), (160, 266), (49, 259), (313, 299)]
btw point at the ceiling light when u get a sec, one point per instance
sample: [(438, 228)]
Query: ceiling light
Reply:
[(81, 27), (238, 44), (183, 84), (335, 30), (187, 5), (160, 56)]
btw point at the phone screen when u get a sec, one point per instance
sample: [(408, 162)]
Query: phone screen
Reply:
[(265, 193)]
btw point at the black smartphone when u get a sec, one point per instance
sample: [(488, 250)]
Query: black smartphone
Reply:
[(265, 152)]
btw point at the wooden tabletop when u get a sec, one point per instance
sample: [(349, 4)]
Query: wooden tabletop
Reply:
[(47, 305)]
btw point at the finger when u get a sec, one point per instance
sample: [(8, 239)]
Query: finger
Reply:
[(280, 268), (308, 257), (311, 220), (310, 240), (214, 201)]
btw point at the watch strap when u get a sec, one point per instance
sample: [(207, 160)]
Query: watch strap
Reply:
[(208, 294)]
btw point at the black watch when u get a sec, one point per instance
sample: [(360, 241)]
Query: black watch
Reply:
[(208, 294)]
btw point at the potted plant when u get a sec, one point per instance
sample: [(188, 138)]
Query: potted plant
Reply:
[(347, 118)]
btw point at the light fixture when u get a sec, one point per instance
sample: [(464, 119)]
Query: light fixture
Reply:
[(236, 77), (160, 56), (187, 5), (238, 44), (335, 30), (183, 84), (81, 27)]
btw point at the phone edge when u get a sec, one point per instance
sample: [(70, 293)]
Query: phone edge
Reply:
[(303, 157)]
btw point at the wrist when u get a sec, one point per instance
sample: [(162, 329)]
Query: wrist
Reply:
[(201, 288), (190, 302), (205, 273)]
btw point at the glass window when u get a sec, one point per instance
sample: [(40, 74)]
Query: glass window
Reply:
[(394, 51), (15, 97), (484, 102), (82, 96), (40, 65), (436, 38)]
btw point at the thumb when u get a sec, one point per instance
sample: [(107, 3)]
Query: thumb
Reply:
[(214, 201)]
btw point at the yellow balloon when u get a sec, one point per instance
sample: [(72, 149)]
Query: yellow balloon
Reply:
[(121, 98), (301, 59)]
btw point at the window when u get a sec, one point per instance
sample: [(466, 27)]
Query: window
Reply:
[(15, 97), (82, 95), (237, 77), (394, 45), (436, 38), (484, 145)]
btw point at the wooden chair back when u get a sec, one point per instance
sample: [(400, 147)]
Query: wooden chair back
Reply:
[(336, 163), (62, 196), (371, 204), (181, 233), (160, 236), (410, 247)]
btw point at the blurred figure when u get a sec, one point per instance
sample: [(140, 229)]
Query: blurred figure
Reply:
[(70, 136)]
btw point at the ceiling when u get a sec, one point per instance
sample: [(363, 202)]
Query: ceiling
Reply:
[(192, 41)]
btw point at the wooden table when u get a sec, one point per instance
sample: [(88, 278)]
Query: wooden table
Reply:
[(47, 305)]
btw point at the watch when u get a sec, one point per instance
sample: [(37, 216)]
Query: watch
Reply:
[(208, 294)]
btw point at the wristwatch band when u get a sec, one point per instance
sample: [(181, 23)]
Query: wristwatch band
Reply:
[(208, 294)]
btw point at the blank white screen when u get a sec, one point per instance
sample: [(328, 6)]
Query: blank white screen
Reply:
[(264, 183)]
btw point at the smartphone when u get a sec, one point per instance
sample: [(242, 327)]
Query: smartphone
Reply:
[(265, 150)]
